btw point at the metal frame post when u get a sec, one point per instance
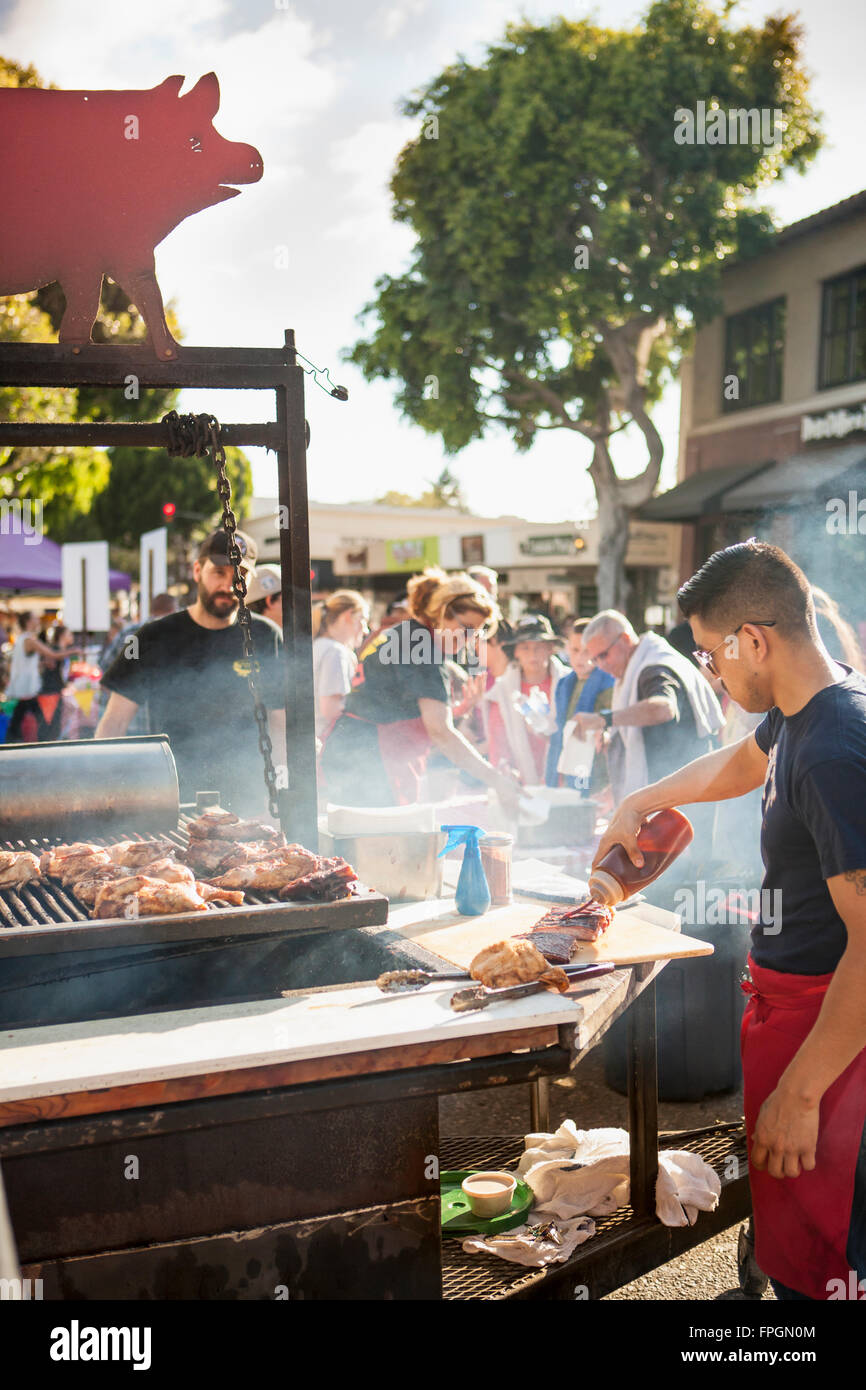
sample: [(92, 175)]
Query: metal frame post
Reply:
[(243, 369), (643, 1125)]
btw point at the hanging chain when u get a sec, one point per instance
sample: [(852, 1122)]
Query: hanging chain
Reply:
[(196, 434)]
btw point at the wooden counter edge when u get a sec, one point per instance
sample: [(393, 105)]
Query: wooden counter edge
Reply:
[(279, 1074)]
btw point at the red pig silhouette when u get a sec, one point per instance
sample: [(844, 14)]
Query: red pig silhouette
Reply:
[(93, 181)]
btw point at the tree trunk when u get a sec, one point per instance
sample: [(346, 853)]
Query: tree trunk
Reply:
[(613, 518)]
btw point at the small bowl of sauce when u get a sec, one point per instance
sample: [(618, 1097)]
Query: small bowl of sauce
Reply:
[(489, 1193)]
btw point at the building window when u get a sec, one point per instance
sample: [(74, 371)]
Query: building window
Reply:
[(843, 329), (472, 550), (754, 344)]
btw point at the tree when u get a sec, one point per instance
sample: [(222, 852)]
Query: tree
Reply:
[(567, 241), (444, 492), (89, 493)]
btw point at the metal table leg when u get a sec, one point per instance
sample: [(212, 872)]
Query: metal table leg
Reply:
[(539, 1106), (643, 1100)]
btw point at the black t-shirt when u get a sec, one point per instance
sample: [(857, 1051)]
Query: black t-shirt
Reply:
[(814, 825), (402, 665), (194, 681)]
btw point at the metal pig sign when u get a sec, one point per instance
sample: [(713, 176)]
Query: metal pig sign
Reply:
[(93, 181)]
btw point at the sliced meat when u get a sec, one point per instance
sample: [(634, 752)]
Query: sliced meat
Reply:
[(17, 868), (515, 963), (332, 880), (562, 928)]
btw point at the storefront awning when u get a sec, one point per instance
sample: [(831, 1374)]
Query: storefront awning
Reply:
[(699, 495), (813, 471)]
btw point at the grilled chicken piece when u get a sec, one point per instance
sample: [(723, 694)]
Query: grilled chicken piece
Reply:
[(18, 868), (222, 895), (244, 830), (205, 825), (142, 896), (70, 863), (246, 854), (134, 854), (207, 856), (169, 871), (268, 875), (514, 963), (85, 889)]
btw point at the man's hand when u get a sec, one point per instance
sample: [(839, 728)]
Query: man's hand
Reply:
[(786, 1135), (623, 830), (507, 788), (588, 724)]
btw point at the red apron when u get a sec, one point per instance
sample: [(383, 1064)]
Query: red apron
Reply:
[(404, 747), (801, 1224)]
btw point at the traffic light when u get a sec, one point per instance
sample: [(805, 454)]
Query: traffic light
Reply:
[(168, 510)]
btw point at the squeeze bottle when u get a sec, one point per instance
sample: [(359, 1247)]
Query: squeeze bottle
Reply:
[(615, 877), (473, 895)]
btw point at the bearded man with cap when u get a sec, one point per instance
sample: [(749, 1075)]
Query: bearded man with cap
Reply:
[(190, 669)]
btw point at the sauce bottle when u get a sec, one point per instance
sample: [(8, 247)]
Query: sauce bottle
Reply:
[(660, 840)]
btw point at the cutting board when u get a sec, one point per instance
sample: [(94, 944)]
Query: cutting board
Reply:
[(630, 938)]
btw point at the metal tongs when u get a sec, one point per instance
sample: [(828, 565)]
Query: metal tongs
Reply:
[(480, 997)]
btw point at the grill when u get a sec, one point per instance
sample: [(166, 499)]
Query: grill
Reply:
[(48, 911), (487, 1277), (59, 966)]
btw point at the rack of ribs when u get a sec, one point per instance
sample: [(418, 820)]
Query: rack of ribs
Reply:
[(562, 928)]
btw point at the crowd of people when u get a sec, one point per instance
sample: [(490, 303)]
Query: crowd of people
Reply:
[(443, 695)]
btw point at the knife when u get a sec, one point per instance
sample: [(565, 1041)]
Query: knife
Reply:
[(479, 997)]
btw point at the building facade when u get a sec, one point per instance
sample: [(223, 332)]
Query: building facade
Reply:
[(773, 414), (543, 566)]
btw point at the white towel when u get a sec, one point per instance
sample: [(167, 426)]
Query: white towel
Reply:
[(653, 650), (574, 1172)]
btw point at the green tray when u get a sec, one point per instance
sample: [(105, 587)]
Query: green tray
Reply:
[(457, 1215)]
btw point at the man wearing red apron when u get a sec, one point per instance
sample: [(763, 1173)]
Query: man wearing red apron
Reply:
[(804, 1029)]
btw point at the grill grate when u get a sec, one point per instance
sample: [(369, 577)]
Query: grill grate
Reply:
[(486, 1276), (48, 904)]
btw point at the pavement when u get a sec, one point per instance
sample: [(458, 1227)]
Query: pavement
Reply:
[(709, 1270)]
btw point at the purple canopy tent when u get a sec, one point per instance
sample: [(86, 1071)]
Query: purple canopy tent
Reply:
[(26, 567)]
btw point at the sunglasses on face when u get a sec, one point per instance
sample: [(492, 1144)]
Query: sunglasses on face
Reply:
[(602, 656), (705, 659)]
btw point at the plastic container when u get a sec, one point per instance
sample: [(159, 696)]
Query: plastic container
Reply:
[(496, 852), (661, 840)]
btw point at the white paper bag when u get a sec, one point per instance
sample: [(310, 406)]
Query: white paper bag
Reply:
[(577, 755)]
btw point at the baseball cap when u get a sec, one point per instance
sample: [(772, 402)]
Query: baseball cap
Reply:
[(215, 548), (265, 582)]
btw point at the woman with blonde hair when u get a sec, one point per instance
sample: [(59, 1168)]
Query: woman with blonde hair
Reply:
[(340, 623), (399, 707)]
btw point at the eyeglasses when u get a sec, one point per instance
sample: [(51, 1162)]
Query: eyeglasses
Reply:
[(705, 659), (602, 656)]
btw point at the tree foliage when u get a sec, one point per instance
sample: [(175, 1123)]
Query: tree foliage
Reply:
[(566, 243), (444, 492)]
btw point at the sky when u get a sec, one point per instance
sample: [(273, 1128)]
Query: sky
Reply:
[(315, 85)]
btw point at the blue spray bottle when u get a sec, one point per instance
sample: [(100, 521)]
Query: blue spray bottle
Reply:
[(473, 895)]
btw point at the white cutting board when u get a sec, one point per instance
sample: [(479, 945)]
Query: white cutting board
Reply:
[(629, 939)]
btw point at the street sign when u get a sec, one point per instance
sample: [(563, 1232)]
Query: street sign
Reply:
[(84, 576), (154, 568)]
